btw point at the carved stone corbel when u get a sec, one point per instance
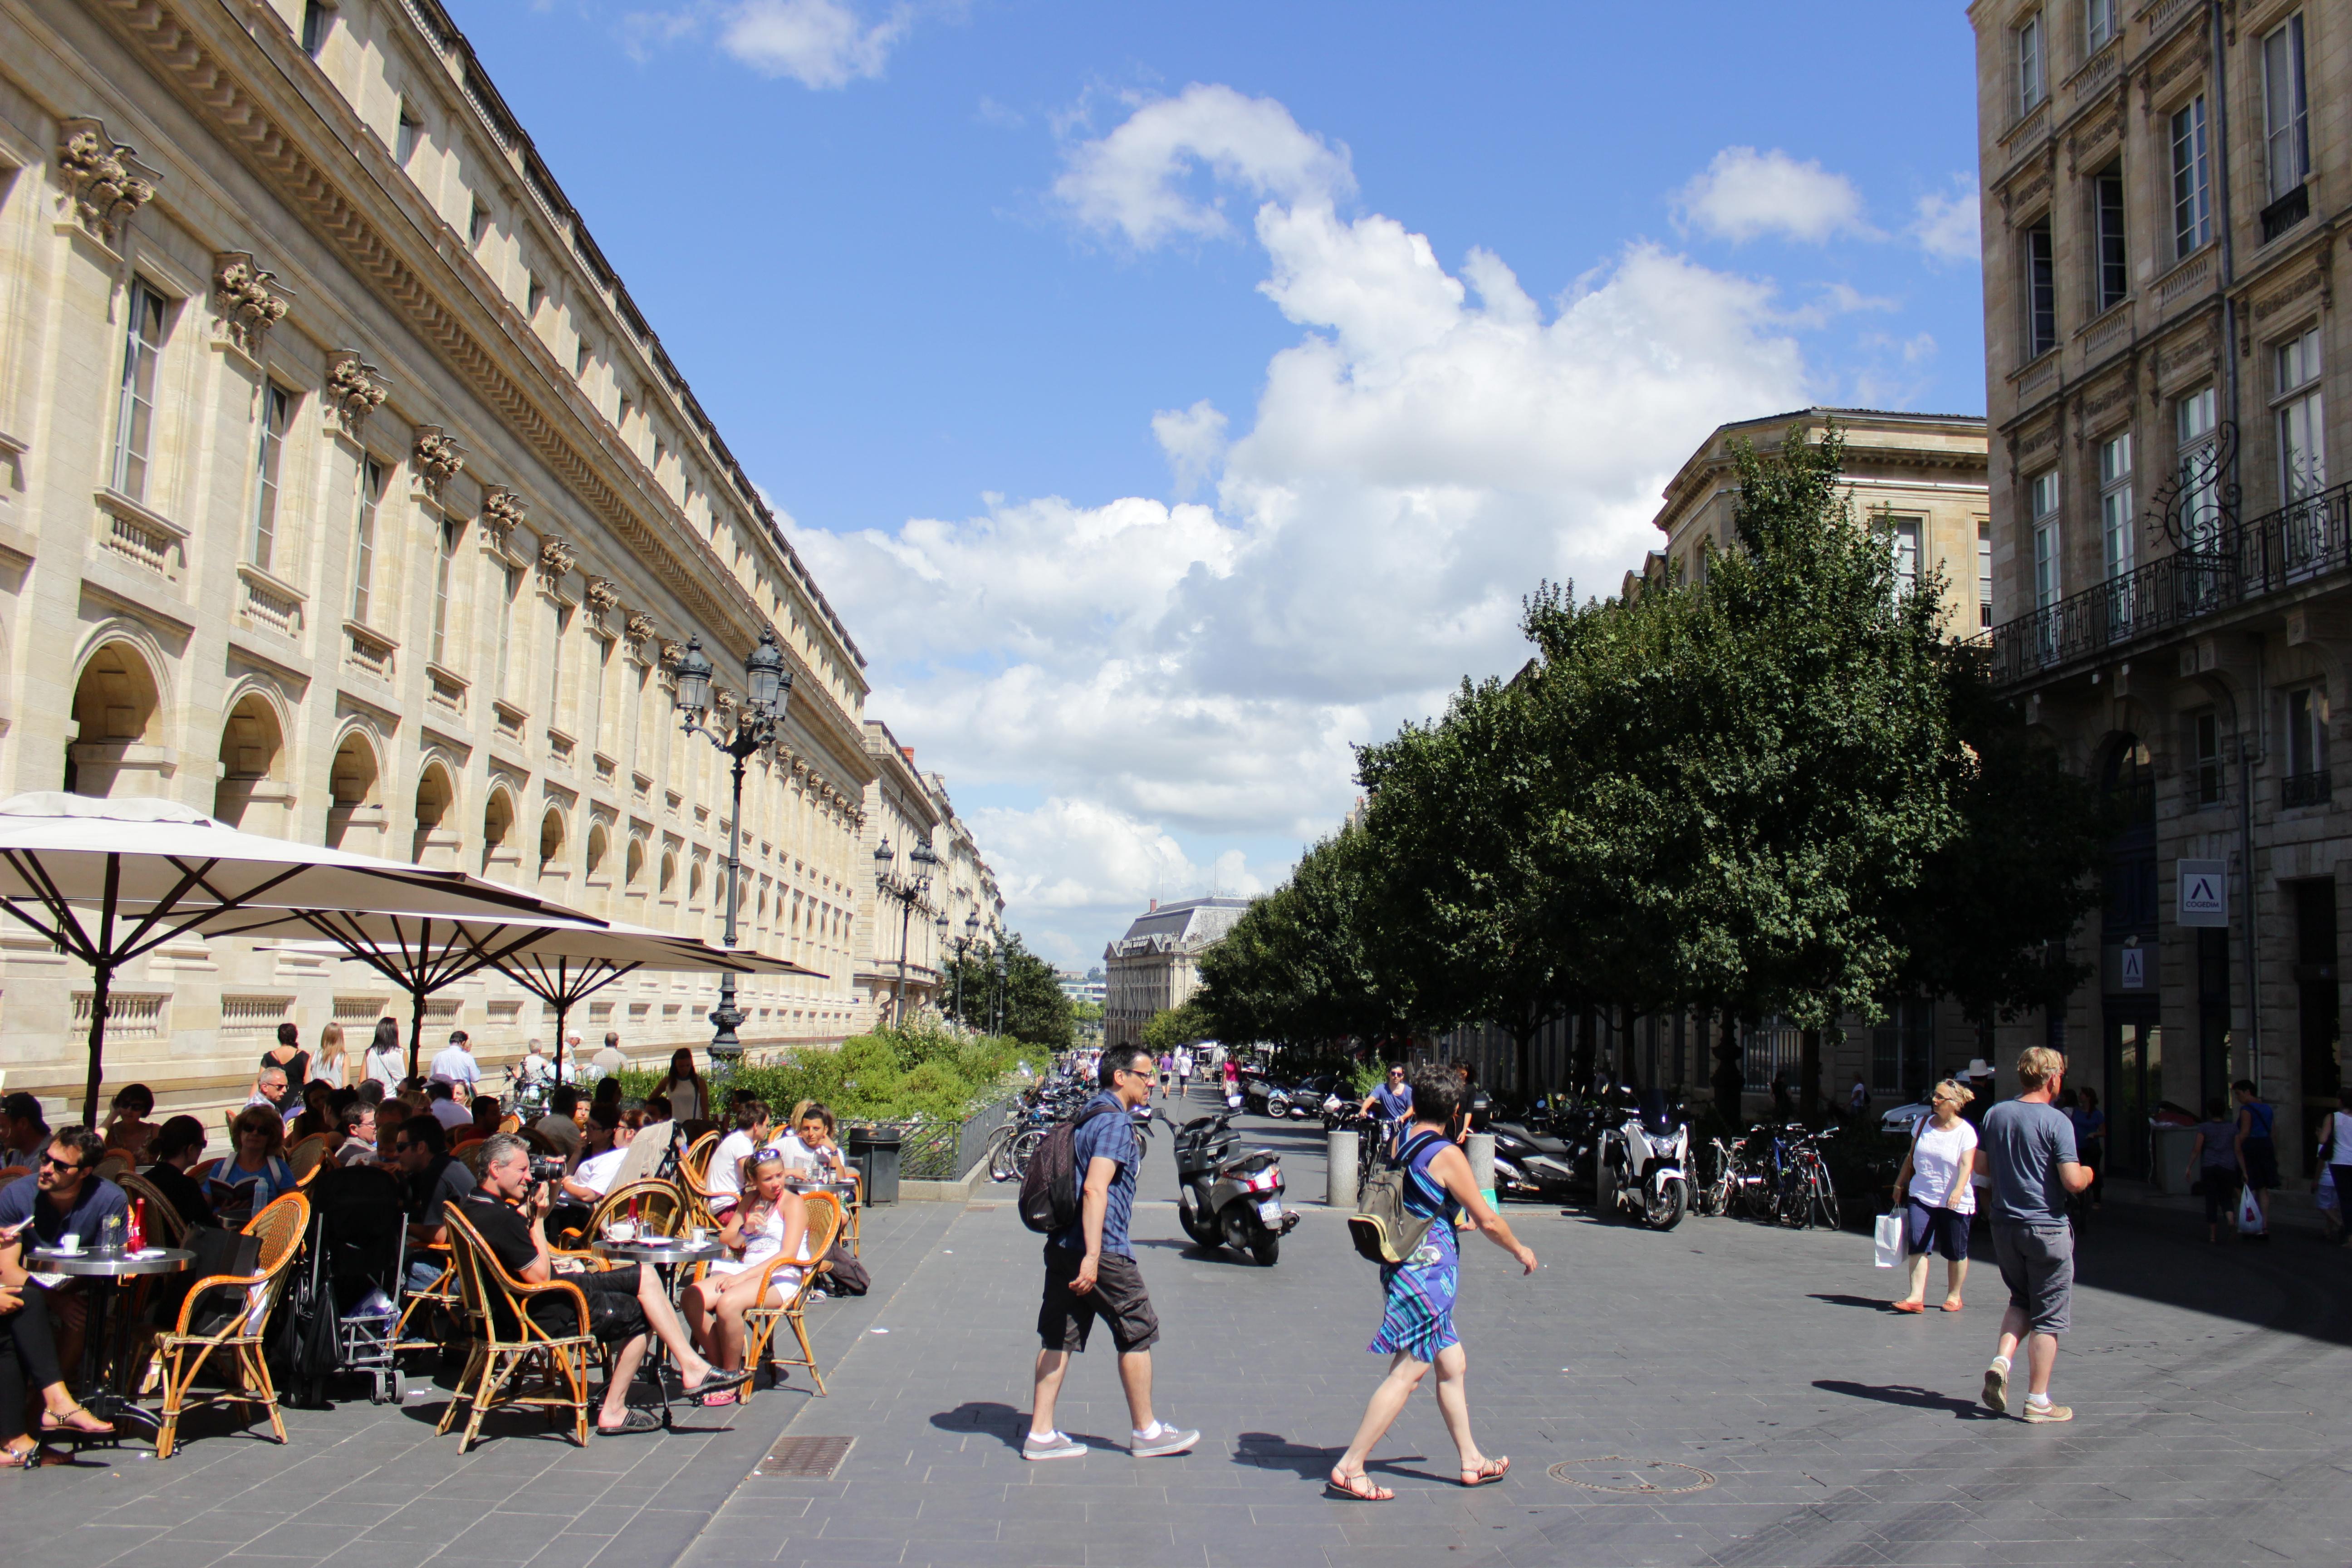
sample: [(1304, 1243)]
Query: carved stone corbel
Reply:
[(502, 510), (724, 701), (639, 626), (104, 178), (602, 594), (437, 457), (355, 389), (249, 297), (671, 652), (556, 557)]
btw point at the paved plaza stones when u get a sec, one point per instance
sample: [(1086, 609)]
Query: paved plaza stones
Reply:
[(2210, 1428)]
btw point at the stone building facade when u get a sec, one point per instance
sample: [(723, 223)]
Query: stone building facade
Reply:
[(346, 494), (1157, 965), (2164, 194)]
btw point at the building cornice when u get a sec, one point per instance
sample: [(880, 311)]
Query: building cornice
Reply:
[(314, 153)]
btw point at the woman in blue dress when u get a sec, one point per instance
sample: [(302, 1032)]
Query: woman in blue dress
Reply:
[(1417, 1328)]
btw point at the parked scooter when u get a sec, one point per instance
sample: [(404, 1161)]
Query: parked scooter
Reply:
[(1229, 1196), (1533, 1165), (1642, 1167)]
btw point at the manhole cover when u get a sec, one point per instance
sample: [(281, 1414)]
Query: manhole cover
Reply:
[(806, 1459), (1612, 1473)]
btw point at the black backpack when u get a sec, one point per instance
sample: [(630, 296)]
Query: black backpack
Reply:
[(1049, 1188)]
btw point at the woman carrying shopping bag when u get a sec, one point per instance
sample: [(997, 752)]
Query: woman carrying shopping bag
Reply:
[(1934, 1189)]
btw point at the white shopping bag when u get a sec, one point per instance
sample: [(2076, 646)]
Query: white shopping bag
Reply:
[(2325, 1194), (1887, 1238), (2250, 1214)]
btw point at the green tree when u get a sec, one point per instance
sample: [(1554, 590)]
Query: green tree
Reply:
[(1173, 1027), (1296, 970), (1034, 1007)]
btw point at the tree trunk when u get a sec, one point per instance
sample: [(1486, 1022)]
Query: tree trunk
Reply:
[(1581, 1055), (1728, 1078), (1809, 1066)]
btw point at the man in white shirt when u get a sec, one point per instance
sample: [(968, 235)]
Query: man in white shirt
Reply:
[(455, 1065), (609, 1062), (725, 1175)]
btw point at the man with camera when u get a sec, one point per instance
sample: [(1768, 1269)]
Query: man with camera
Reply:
[(509, 1208)]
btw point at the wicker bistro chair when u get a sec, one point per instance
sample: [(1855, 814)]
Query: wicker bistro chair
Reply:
[(442, 1294), (307, 1155), (661, 1210), (694, 1178), (503, 1355), (760, 1322), (183, 1351)]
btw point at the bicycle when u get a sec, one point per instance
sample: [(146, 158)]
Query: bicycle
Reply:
[(1711, 1167), (1807, 1196)]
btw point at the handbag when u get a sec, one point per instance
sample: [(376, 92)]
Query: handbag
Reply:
[(1887, 1238), (2250, 1214)]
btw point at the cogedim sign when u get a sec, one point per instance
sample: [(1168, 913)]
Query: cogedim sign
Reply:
[(2204, 893)]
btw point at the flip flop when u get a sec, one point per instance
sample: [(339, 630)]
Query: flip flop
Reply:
[(1910, 1305), (1360, 1490), (717, 1382), (1487, 1474), (634, 1421), (1952, 1306)]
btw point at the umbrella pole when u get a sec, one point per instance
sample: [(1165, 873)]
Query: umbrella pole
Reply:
[(100, 983), (415, 1027)]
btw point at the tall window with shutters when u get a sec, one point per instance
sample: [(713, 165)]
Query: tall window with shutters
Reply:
[(2112, 284), (270, 454), (2030, 45), (134, 418), (370, 499), (1984, 573), (2286, 116), (2192, 198), (2041, 288), (2042, 492), (508, 591), (443, 562), (2302, 433)]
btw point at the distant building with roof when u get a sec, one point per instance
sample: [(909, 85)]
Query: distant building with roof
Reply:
[(1155, 965)]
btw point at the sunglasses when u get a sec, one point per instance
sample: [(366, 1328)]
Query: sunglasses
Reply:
[(54, 1163)]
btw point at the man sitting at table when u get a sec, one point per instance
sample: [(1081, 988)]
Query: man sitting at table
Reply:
[(63, 1198), (179, 1149), (358, 1128), (560, 1125), (61, 1190), (441, 1100), (436, 1180), (625, 1305)]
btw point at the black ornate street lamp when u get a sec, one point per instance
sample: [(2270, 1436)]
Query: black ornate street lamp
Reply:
[(997, 1015), (963, 945), (909, 890), (754, 727)]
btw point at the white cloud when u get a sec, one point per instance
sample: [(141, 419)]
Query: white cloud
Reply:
[(1948, 226), (1131, 180), (1195, 440), (1745, 194), (817, 43), (1433, 443)]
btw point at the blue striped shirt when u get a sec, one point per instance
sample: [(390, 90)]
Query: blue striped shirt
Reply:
[(1111, 1136)]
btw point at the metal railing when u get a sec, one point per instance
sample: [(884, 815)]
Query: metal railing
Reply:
[(2304, 789), (942, 1150), (2304, 540)]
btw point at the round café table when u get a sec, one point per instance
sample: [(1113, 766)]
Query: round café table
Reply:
[(665, 1255), (106, 1270)]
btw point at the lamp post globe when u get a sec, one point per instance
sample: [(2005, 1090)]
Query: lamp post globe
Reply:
[(694, 682), (764, 673)]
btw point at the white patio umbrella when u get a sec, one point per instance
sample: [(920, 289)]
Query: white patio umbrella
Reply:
[(562, 962), (110, 880)]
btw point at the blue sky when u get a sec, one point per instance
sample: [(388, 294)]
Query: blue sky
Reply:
[(1171, 395)]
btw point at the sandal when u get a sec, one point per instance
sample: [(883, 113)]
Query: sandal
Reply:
[(637, 1420), (1910, 1305), (1357, 1487), (1952, 1306), (1488, 1472), (715, 1381), (20, 1458), (68, 1426)]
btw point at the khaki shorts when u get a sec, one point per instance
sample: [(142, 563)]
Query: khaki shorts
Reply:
[(2037, 1263), (1066, 1318)]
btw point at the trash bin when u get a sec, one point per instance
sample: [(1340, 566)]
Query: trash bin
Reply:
[(874, 1151)]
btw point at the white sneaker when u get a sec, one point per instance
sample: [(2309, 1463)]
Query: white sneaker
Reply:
[(1056, 1447), (1168, 1441)]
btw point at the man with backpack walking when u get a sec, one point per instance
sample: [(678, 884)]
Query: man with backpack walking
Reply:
[(1080, 1188)]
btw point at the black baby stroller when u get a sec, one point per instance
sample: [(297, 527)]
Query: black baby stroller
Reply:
[(343, 1303)]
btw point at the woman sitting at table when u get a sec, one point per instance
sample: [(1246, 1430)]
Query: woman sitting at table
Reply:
[(245, 1183), (771, 1220), (127, 1128)]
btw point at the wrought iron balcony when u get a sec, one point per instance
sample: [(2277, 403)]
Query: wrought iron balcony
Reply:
[(2285, 213), (2229, 566), (2304, 789)]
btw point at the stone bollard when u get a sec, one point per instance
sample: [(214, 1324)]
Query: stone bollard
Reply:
[(1481, 1149), (1340, 1149)]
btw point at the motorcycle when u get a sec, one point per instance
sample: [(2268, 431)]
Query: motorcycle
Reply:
[(1228, 1196), (1642, 1167), (1532, 1166)]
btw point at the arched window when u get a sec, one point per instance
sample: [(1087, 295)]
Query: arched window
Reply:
[(634, 873), (252, 751), (114, 706), (551, 841), (669, 873), (600, 843), (351, 781), (436, 795), (498, 825)]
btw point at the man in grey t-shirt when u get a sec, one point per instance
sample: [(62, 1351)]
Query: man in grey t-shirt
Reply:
[(2028, 1146)]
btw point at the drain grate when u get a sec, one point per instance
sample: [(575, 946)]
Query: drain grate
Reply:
[(806, 1459), (1611, 1473)]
